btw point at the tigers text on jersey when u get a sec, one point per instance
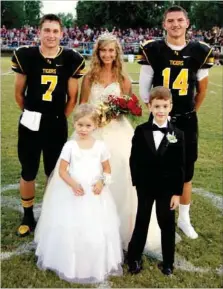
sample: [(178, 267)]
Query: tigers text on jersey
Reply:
[(177, 69), (47, 78)]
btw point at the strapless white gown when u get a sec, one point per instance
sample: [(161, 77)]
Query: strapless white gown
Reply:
[(118, 137)]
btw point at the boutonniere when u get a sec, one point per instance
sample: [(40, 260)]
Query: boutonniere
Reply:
[(171, 137)]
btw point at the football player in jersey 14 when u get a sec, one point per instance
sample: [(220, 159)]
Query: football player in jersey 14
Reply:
[(46, 87), (182, 66)]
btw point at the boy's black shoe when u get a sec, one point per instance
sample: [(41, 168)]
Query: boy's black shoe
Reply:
[(27, 226), (166, 269), (135, 267)]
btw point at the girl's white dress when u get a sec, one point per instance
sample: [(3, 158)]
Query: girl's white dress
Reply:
[(78, 236), (117, 135)]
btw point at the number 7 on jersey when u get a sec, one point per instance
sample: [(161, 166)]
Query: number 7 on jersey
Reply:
[(52, 79)]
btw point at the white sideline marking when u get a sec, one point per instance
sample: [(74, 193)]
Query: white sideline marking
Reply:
[(184, 265), (220, 270), (22, 249), (216, 200), (106, 284), (213, 92), (9, 187), (215, 84), (7, 73), (12, 203), (15, 204)]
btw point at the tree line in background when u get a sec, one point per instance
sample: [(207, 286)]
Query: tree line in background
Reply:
[(122, 14), (15, 14), (135, 14)]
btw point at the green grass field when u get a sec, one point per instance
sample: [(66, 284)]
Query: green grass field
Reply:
[(199, 262)]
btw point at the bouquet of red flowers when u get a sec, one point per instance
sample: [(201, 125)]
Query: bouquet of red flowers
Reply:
[(115, 106)]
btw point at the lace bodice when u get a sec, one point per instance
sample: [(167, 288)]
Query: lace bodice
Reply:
[(99, 93)]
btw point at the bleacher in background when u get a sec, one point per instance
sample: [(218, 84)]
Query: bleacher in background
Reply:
[(84, 48)]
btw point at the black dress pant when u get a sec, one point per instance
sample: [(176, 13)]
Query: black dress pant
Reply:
[(166, 221)]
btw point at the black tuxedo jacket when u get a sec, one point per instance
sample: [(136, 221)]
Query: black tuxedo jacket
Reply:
[(162, 170)]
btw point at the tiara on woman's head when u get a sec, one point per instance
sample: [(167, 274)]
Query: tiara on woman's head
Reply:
[(107, 36)]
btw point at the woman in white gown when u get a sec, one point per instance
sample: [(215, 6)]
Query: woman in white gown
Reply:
[(106, 78)]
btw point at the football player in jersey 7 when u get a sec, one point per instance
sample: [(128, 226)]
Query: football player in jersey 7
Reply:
[(46, 87)]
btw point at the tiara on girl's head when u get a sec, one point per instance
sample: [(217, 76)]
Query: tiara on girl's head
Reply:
[(107, 36)]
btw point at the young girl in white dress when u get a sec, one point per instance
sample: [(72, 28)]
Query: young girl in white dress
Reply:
[(77, 234), (105, 78)]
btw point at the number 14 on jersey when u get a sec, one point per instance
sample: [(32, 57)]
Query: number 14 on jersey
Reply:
[(180, 83)]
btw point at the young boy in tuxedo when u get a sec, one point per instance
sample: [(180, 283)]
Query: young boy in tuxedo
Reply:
[(157, 170)]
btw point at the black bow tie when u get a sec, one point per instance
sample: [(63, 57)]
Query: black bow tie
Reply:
[(162, 129)]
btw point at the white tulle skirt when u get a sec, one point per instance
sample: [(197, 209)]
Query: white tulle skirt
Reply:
[(118, 138), (78, 237)]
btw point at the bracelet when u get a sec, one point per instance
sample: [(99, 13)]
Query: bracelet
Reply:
[(106, 179)]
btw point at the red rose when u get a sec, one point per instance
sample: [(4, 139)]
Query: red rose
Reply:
[(134, 98), (122, 102), (136, 111), (130, 104)]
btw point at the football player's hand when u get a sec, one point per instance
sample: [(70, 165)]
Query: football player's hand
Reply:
[(77, 189), (97, 188), (174, 203)]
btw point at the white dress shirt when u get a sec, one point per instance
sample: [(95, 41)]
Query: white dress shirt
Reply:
[(158, 135)]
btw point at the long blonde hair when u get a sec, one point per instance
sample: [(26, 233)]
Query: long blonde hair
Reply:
[(97, 64)]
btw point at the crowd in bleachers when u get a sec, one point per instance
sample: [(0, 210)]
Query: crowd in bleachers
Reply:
[(78, 36)]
